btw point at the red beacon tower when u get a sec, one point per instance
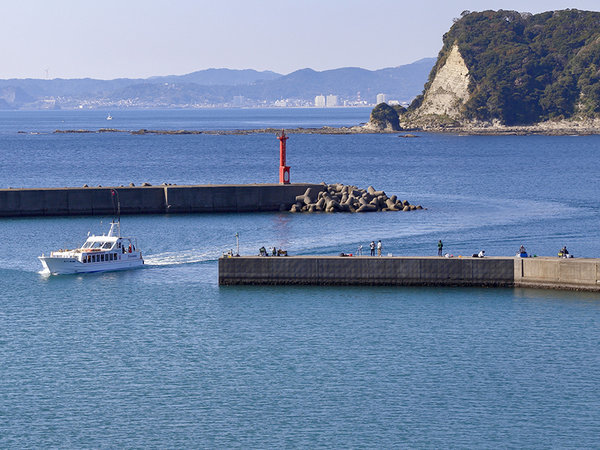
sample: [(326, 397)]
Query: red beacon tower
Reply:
[(284, 171)]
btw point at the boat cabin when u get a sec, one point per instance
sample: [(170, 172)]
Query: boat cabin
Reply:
[(107, 248)]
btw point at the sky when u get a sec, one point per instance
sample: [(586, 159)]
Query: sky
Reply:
[(137, 39)]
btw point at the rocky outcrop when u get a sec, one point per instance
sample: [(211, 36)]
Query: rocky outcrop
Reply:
[(383, 118), (343, 198)]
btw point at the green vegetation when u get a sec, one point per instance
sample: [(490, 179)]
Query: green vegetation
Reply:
[(399, 109), (384, 116), (527, 68)]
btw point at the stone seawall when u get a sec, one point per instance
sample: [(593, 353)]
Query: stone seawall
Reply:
[(576, 274), (150, 199)]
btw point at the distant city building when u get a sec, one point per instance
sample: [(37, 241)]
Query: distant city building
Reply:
[(381, 98), (239, 100), (320, 101), (393, 102), (332, 100)]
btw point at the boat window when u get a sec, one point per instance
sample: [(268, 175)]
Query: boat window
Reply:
[(107, 245), (87, 245)]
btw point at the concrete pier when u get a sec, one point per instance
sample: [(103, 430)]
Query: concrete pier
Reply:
[(579, 274), (151, 199), (558, 273)]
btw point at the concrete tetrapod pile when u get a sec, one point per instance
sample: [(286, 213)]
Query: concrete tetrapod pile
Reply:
[(344, 198)]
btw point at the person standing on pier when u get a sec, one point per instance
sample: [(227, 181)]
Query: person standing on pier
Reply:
[(372, 246), (440, 247), (379, 247)]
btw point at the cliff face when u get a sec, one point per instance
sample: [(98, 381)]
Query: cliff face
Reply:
[(505, 68), (449, 89)]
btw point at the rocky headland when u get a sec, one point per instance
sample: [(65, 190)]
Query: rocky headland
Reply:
[(505, 72)]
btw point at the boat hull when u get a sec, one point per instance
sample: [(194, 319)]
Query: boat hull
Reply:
[(65, 265)]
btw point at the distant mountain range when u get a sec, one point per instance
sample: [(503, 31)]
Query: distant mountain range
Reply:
[(219, 87)]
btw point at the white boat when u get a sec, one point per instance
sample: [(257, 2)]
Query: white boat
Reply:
[(109, 117), (98, 253)]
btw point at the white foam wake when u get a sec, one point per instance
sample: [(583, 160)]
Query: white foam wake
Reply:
[(180, 257)]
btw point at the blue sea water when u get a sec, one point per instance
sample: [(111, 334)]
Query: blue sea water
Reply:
[(164, 357)]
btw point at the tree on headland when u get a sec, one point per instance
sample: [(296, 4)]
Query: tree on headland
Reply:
[(385, 117)]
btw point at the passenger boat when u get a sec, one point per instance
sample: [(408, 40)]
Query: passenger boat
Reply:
[(97, 254)]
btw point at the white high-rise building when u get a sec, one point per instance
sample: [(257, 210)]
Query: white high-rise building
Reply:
[(320, 101), (332, 100), (381, 98)]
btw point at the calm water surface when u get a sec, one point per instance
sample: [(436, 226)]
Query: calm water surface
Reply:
[(163, 357)]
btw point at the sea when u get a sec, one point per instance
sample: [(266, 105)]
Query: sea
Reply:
[(162, 357)]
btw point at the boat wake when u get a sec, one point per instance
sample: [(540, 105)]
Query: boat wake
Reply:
[(191, 256)]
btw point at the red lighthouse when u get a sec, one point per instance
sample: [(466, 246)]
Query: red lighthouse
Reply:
[(284, 171)]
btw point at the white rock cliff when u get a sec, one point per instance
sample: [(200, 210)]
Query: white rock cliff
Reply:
[(449, 89)]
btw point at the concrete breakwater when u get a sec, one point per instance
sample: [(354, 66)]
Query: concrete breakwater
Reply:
[(151, 199), (557, 273)]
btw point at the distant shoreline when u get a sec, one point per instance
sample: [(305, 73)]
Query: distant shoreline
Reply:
[(358, 129), (143, 131)]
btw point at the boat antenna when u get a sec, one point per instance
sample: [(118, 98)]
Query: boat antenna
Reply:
[(116, 209)]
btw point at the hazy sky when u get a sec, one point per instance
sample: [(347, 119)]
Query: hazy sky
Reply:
[(135, 38)]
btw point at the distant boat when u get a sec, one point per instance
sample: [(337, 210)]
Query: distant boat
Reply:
[(109, 117)]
